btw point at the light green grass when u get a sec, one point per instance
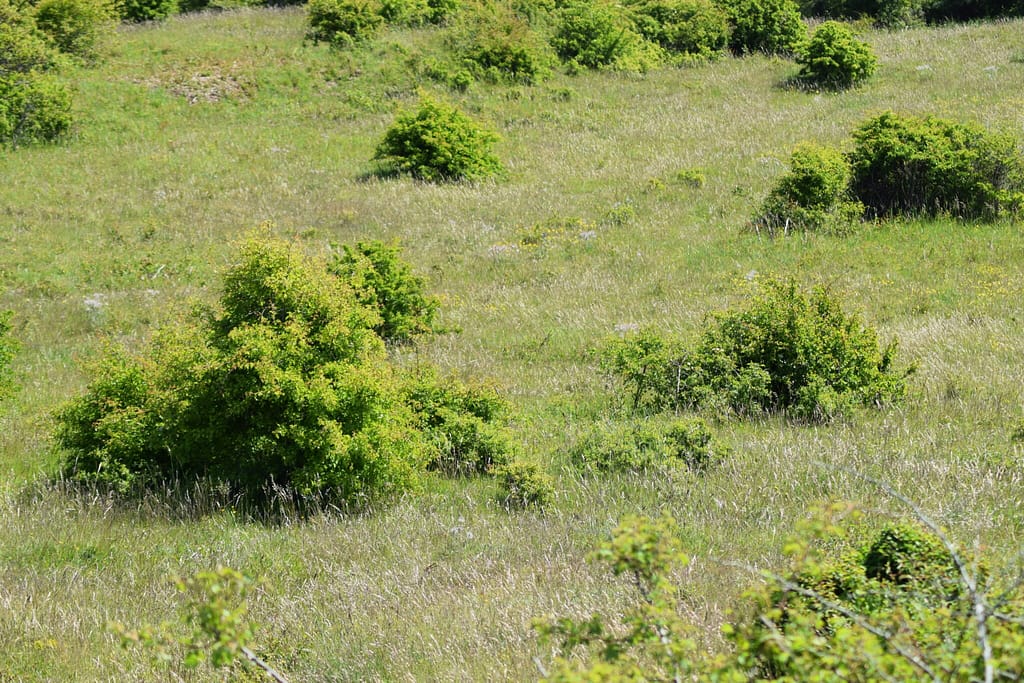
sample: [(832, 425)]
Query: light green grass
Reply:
[(139, 211)]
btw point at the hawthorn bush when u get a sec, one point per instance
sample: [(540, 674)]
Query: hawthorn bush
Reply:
[(34, 105), (76, 27), (283, 384), (696, 29), (437, 142), (786, 351), (342, 23), (907, 165), (146, 10), (769, 26), (813, 195), (834, 59), (597, 35), (500, 46), (644, 445), (383, 282)]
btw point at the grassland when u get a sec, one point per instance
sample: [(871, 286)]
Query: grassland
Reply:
[(194, 132)]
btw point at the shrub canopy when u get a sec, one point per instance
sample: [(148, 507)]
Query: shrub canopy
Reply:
[(284, 383)]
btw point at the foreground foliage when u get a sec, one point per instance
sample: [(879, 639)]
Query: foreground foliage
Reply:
[(909, 605)]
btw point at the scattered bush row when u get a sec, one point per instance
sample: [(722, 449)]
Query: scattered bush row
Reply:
[(511, 42), (286, 383), (786, 351), (899, 166)]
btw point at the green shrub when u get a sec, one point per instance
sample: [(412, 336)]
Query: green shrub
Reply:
[(146, 10), (7, 349), (34, 107), (905, 165), (384, 283), (643, 445), (769, 26), (75, 27), (525, 484), (284, 384), (904, 554), (834, 59), (786, 351), (438, 142), (812, 195), (597, 34), (694, 28), (462, 424), (22, 49), (342, 23), (499, 45)]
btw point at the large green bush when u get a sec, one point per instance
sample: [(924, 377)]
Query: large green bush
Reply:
[(76, 27), (342, 23), (812, 195), (283, 384), (692, 28), (437, 142), (834, 59), (770, 26), (383, 282), (786, 351), (499, 45), (910, 165), (34, 107), (598, 34)]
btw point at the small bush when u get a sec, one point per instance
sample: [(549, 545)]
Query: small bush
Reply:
[(384, 283), (904, 554), (812, 195), (693, 28), (34, 107), (75, 27), (769, 26), (786, 351), (905, 165), (463, 424), (7, 349), (500, 46), (597, 34), (639, 446), (525, 485), (834, 59), (146, 10), (437, 143), (342, 23)]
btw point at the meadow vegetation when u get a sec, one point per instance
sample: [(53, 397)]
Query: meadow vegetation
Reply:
[(533, 279)]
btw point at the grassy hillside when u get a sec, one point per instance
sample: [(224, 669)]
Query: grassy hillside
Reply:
[(195, 132)]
